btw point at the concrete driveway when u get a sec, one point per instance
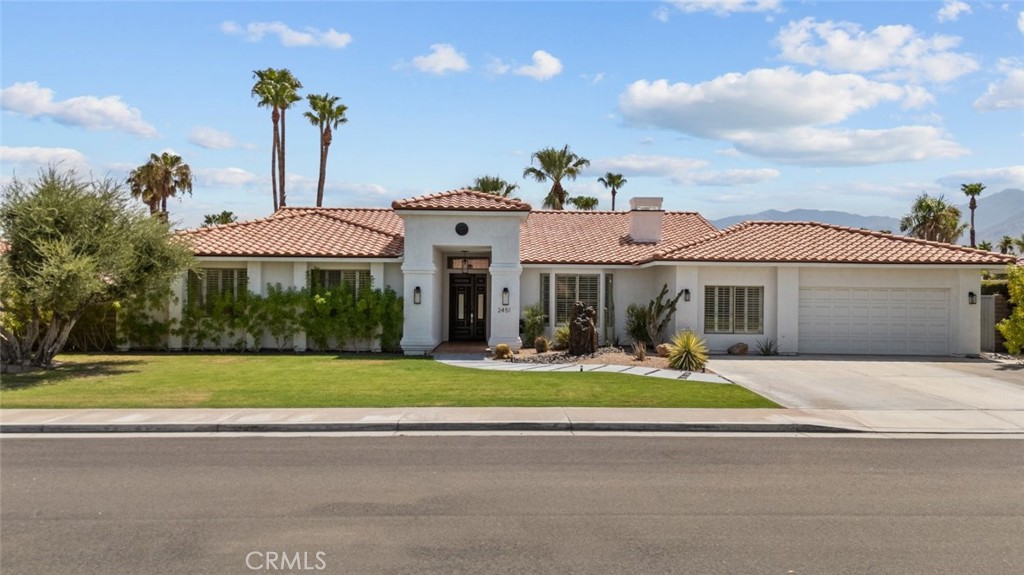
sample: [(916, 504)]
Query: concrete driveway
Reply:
[(874, 383)]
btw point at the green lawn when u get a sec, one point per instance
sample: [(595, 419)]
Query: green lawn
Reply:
[(131, 380)]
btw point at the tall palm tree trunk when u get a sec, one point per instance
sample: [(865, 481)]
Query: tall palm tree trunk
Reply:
[(613, 199), (275, 116), (973, 205), (325, 144), (280, 161)]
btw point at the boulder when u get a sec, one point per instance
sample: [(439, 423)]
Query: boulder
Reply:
[(662, 350), (739, 349), (582, 330)]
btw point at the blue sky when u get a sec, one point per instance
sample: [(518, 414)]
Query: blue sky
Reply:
[(720, 107)]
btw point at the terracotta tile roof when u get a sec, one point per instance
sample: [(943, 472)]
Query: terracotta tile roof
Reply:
[(469, 200), (306, 232), (573, 237), (812, 242)]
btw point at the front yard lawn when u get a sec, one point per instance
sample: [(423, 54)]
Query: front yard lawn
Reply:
[(170, 380)]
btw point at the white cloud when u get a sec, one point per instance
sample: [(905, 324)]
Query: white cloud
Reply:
[(544, 67), (820, 147), (995, 179), (225, 178), (89, 112), (762, 100), (661, 14), (595, 79), (680, 171), (497, 66), (645, 165), (212, 139), (1006, 93), (726, 7), (1020, 22), (441, 60), (780, 114), (33, 158), (952, 10), (894, 52), (308, 36)]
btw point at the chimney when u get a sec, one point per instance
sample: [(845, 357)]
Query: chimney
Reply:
[(645, 215)]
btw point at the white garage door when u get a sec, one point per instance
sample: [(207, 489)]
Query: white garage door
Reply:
[(874, 321)]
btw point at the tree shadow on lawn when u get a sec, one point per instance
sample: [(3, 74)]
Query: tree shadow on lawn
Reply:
[(67, 371)]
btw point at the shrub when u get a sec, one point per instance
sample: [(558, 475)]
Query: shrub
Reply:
[(561, 337), (540, 343), (646, 323), (533, 322), (768, 346), (636, 323), (502, 351), (639, 350), (688, 352), (1012, 327)]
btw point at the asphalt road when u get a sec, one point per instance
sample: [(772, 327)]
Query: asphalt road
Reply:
[(517, 505)]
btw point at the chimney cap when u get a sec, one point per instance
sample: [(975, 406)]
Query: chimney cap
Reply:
[(651, 204)]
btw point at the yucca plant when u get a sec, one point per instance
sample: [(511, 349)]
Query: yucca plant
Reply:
[(768, 346), (687, 351), (561, 337)]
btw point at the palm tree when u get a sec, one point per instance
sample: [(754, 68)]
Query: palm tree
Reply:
[(1006, 245), (584, 203), (554, 165), (277, 90), (613, 182), (493, 185), (224, 217), (1019, 242), (326, 114), (934, 219), (972, 191), (160, 178), (987, 246)]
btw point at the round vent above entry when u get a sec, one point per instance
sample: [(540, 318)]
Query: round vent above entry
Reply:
[(461, 228)]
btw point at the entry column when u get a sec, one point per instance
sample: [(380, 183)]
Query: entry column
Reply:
[(505, 305)]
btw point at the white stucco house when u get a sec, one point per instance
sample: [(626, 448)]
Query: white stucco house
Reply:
[(467, 263)]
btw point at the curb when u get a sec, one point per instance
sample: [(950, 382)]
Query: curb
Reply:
[(423, 426)]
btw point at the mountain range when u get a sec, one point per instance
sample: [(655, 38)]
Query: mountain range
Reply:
[(999, 214)]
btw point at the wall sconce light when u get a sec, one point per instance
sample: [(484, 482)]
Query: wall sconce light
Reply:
[(504, 296), (686, 295), (465, 262), (972, 298), (417, 295)]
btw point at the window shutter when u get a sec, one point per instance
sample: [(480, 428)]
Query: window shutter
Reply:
[(545, 297), (242, 287), (565, 290), (194, 294), (364, 279), (609, 300), (212, 280), (588, 293)]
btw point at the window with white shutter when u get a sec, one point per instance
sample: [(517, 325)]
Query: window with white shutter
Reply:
[(734, 309), (208, 284), (545, 297), (570, 289)]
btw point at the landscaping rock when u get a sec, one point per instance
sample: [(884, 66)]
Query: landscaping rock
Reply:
[(662, 350), (739, 349), (582, 330)]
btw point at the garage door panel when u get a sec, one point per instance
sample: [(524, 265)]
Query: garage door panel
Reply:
[(883, 321)]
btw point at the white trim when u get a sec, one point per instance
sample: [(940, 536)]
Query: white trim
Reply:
[(482, 213), (297, 259)]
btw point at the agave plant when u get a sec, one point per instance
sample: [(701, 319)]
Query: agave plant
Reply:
[(687, 351)]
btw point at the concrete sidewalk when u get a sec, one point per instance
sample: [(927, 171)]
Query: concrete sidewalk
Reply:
[(1002, 422), (476, 361)]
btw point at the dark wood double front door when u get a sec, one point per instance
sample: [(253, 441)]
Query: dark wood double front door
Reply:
[(467, 307)]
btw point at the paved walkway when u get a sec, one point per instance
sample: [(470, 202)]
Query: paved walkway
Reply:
[(19, 421)]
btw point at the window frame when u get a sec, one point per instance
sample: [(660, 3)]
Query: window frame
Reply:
[(737, 306), (563, 308)]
